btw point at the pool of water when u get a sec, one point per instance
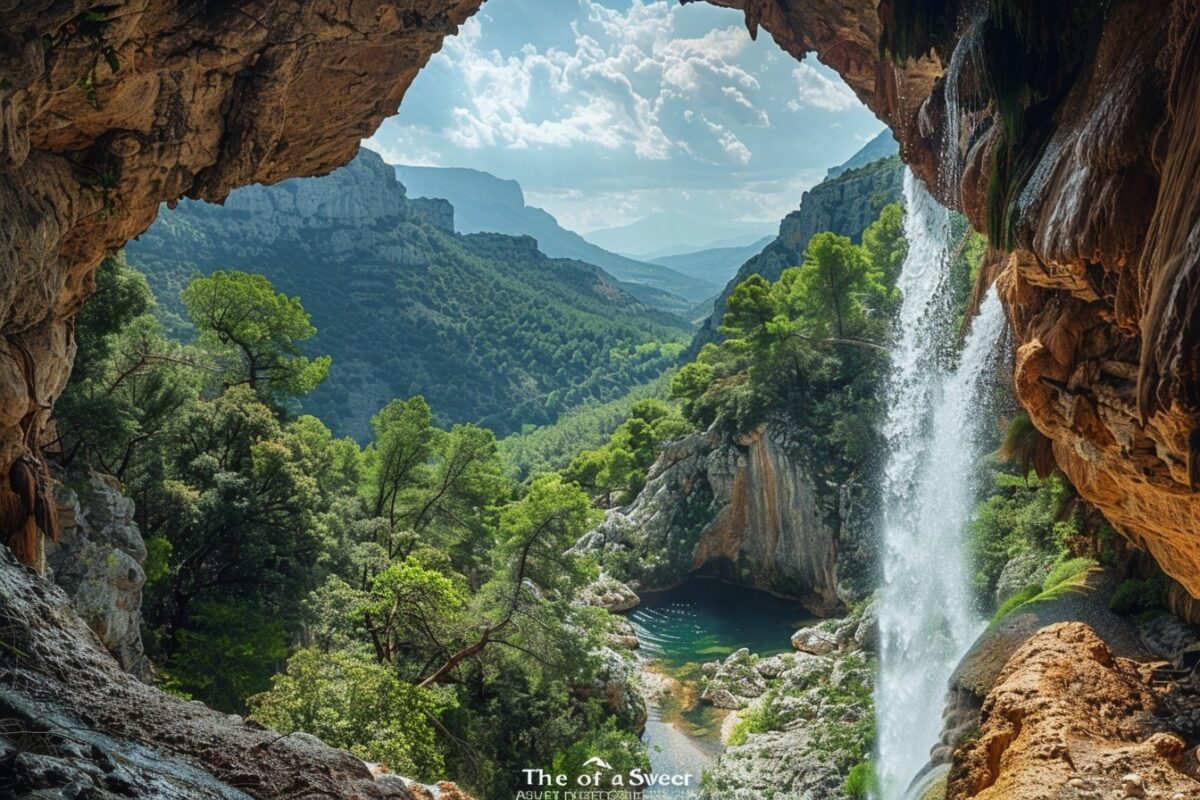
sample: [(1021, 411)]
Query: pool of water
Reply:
[(702, 620), (679, 629)]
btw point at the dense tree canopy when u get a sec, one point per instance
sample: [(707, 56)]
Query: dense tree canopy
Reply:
[(415, 596), (255, 334)]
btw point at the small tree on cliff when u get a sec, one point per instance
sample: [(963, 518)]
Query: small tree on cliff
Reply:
[(255, 332)]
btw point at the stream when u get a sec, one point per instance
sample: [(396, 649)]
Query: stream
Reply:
[(681, 628)]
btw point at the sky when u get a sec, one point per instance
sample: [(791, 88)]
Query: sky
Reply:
[(607, 111)]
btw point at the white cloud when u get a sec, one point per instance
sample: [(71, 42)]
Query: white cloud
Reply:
[(625, 84), (818, 91)]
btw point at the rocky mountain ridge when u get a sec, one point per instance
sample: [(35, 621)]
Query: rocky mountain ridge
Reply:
[(845, 204), (406, 306), (487, 204)]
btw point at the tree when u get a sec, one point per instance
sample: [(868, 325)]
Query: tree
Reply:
[(404, 439), (357, 704), (885, 244), (829, 285), (128, 380), (535, 575), (239, 505), (255, 332)]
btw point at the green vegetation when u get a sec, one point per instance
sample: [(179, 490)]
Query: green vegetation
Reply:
[(254, 333), (616, 472), (1040, 521), (1137, 596), (862, 782), (407, 600), (810, 344), (551, 447), (485, 327)]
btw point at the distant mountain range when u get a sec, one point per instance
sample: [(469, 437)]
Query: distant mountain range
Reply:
[(665, 233), (484, 203), (881, 146), (717, 264), (485, 326)]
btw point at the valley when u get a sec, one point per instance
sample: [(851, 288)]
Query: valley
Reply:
[(730, 446)]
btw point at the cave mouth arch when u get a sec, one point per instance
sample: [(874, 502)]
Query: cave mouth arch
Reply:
[(606, 110)]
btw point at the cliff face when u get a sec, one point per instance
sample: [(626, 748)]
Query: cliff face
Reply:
[(844, 204), (1073, 138), (98, 561), (102, 119), (1067, 718), (405, 306), (744, 511)]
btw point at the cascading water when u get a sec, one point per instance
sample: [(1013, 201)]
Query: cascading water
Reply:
[(925, 614)]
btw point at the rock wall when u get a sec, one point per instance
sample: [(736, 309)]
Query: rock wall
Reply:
[(98, 561), (1088, 178), (102, 119), (84, 728), (745, 511), (1067, 718)]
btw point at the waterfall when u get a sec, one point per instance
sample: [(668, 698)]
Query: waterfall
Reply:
[(925, 613)]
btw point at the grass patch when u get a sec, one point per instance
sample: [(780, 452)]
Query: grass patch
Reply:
[(1065, 577)]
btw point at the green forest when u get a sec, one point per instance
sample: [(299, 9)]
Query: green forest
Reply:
[(413, 599), (486, 327)]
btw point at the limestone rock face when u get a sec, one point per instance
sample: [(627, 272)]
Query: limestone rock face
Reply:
[(738, 678), (1067, 718), (98, 562), (610, 594), (108, 734), (744, 511), (815, 730), (1104, 275), (207, 97)]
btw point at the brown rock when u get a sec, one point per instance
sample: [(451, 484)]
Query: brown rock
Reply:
[(1065, 712), (207, 97), (1103, 287)]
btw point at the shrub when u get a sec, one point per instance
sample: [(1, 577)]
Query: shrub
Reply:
[(1134, 596), (861, 782), (1019, 599)]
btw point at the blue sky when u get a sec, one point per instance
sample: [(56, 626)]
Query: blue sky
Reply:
[(609, 110)]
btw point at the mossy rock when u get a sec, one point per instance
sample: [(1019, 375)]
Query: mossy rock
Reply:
[(1081, 599)]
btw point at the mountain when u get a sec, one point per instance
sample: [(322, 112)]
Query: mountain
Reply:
[(715, 263), (485, 326), (484, 203), (660, 233), (845, 205), (882, 146)]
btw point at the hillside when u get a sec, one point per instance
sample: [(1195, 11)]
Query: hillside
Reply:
[(670, 232), (488, 328), (718, 264), (882, 146), (845, 205), (484, 203)]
